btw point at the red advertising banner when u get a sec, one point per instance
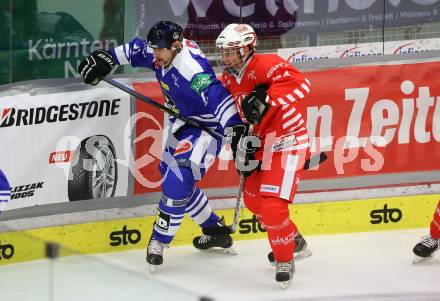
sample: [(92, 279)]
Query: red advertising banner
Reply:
[(149, 123), (368, 119), (391, 112)]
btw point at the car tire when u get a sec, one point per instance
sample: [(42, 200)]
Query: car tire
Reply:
[(94, 172)]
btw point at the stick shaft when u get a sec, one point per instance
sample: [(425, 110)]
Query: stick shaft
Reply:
[(163, 108)]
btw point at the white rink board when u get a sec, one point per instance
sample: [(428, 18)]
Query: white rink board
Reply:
[(315, 53), (64, 121)]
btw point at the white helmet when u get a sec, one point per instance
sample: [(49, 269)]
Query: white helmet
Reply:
[(235, 38)]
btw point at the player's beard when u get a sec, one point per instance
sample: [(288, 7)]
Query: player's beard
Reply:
[(167, 64), (163, 63)]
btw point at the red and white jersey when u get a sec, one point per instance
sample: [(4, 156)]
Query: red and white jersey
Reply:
[(287, 91)]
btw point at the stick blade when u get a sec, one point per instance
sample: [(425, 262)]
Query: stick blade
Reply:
[(316, 160)]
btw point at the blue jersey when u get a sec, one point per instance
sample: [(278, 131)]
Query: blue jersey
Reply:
[(189, 84), (5, 190)]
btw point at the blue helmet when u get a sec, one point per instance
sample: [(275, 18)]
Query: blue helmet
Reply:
[(163, 34)]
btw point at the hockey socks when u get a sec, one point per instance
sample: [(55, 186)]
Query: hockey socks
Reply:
[(200, 211), (435, 224), (274, 213)]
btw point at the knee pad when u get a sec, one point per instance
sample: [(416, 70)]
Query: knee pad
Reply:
[(170, 214), (252, 202), (274, 213), (178, 183), (251, 195), (177, 190)]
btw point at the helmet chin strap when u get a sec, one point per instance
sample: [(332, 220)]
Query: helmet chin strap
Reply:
[(245, 60)]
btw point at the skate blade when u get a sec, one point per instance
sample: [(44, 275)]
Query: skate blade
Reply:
[(151, 269), (285, 284), (303, 254), (221, 251), (418, 259)]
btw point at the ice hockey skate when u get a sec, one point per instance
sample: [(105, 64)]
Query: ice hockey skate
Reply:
[(425, 249), (154, 253), (220, 244), (284, 273), (301, 250)]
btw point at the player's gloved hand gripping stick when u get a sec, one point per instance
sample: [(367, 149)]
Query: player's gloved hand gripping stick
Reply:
[(194, 123)]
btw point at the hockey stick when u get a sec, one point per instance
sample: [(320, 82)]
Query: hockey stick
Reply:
[(234, 225), (310, 163), (220, 230), (187, 120)]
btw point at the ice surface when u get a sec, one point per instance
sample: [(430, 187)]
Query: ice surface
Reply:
[(361, 266)]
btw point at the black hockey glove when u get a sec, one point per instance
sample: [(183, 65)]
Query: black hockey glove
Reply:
[(254, 106), (96, 66), (244, 147)]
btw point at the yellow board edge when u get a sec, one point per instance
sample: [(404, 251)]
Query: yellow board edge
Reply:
[(391, 213)]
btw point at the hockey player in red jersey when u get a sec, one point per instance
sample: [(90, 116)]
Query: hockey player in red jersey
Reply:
[(425, 249), (270, 95)]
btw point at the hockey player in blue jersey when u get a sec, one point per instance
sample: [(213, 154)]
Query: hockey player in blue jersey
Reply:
[(5, 191), (191, 89)]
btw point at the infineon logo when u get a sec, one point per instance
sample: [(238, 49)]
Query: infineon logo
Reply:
[(58, 113), (408, 48), (303, 56), (357, 52)]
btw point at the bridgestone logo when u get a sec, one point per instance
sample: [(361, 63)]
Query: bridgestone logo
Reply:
[(68, 112)]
